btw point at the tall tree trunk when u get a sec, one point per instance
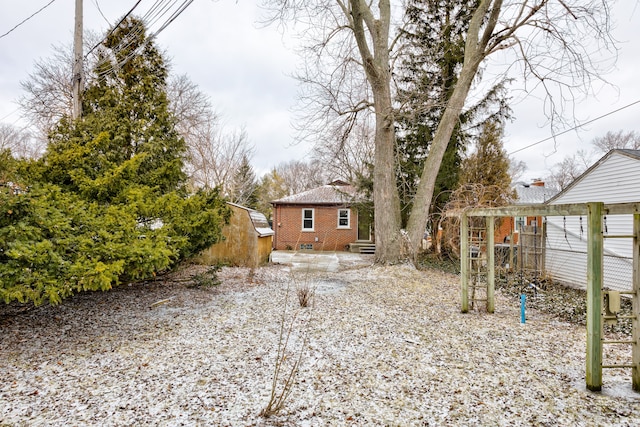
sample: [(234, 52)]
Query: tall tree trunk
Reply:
[(419, 216), (474, 54), (375, 59), (389, 245)]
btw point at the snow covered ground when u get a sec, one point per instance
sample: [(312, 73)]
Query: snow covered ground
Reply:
[(384, 346)]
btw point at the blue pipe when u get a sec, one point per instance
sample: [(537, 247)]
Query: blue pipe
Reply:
[(523, 303)]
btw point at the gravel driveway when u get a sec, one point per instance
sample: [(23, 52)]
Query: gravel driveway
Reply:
[(384, 346)]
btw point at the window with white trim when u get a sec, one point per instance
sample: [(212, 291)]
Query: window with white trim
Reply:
[(344, 218), (307, 219)]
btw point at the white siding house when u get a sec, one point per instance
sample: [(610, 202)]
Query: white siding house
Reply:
[(615, 178)]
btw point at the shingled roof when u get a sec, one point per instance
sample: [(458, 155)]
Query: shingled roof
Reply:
[(335, 193), (532, 194)]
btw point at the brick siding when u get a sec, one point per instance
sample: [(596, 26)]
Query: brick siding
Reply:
[(287, 224)]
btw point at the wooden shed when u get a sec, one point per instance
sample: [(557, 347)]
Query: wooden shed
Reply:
[(247, 240)]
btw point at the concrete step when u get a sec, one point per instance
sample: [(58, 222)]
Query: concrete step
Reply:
[(368, 249)]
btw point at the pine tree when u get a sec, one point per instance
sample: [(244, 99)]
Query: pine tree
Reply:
[(488, 167), (127, 136), (243, 188), (436, 32), (7, 166), (107, 202), (272, 187)]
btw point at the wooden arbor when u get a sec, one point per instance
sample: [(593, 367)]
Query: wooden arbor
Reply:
[(595, 251)]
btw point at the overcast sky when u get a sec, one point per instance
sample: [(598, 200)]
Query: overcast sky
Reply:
[(245, 69)]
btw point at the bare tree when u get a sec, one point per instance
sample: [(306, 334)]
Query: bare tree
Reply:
[(348, 158), (517, 168), (215, 154), (48, 90), (190, 106), (20, 142), (299, 176), (571, 167), (348, 64), (553, 40), (616, 140)]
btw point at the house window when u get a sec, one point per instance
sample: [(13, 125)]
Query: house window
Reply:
[(307, 219), (520, 223), (344, 218), (306, 246)]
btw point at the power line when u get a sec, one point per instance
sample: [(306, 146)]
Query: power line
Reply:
[(9, 115), (28, 18), (158, 10), (113, 28), (100, 10), (575, 127), (172, 18)]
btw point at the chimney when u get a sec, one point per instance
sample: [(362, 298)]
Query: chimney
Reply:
[(537, 182)]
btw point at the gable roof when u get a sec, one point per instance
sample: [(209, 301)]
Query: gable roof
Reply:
[(259, 221), (335, 193), (633, 154)]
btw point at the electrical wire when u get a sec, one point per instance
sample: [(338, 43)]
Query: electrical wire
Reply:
[(9, 115), (153, 15), (174, 16), (150, 17), (114, 28), (575, 127), (100, 11), (28, 18)]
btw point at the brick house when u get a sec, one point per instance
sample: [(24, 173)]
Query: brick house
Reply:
[(324, 218), (526, 194)]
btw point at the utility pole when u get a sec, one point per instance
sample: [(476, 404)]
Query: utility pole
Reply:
[(78, 73)]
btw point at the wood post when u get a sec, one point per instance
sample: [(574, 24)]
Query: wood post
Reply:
[(595, 252), (595, 249), (543, 245), (635, 347), (78, 72), (491, 263), (464, 262)]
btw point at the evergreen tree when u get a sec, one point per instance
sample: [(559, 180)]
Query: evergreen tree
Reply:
[(127, 136), (243, 188), (272, 187), (7, 166), (436, 32), (484, 182), (107, 202), (488, 167)]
